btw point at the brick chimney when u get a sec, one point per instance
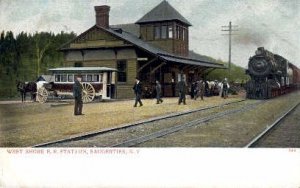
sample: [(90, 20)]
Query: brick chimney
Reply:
[(102, 16)]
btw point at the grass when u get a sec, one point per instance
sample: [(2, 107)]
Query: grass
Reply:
[(28, 124)]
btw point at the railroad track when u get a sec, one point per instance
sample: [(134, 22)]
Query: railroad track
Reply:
[(197, 122), (254, 142), (131, 125)]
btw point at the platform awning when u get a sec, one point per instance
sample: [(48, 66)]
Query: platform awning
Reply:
[(193, 62)]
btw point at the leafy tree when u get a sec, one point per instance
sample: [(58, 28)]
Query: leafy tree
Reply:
[(236, 74)]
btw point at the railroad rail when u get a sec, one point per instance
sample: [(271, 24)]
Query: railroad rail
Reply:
[(130, 125), (259, 137)]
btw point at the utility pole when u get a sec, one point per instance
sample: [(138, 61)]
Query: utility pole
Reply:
[(229, 29)]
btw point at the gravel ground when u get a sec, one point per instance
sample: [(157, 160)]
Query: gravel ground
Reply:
[(232, 131), (286, 134)]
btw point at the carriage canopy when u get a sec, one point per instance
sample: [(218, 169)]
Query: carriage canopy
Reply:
[(79, 70)]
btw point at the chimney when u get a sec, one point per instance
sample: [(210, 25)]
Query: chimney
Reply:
[(102, 16)]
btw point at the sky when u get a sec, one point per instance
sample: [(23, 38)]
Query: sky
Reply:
[(273, 24)]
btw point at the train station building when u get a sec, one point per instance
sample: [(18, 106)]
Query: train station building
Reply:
[(156, 47)]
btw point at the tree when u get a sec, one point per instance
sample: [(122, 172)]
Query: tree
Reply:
[(26, 56), (42, 43)]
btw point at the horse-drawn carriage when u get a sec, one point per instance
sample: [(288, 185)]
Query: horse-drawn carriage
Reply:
[(96, 81)]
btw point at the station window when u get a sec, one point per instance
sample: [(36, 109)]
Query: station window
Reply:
[(157, 32), (170, 31), (164, 32), (181, 33), (122, 71)]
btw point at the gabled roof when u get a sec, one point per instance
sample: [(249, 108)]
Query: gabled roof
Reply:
[(163, 12)]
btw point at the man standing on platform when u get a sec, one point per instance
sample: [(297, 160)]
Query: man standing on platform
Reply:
[(138, 92), (77, 93), (158, 92), (182, 91), (225, 88)]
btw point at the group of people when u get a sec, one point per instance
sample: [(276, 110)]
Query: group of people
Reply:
[(198, 90), (208, 88)]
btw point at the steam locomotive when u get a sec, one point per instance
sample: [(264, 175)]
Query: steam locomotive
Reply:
[(271, 75)]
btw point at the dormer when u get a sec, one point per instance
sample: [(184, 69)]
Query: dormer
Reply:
[(166, 28)]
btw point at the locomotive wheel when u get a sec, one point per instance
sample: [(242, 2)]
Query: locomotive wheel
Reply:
[(42, 95), (88, 92)]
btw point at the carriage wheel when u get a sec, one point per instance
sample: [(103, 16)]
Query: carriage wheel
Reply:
[(88, 92), (42, 95)]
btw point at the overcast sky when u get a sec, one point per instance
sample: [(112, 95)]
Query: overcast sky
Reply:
[(273, 24)]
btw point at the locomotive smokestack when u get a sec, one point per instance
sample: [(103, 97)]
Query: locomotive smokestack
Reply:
[(102, 16)]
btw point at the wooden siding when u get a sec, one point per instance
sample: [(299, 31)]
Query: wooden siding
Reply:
[(125, 92), (95, 34), (96, 38), (97, 43), (98, 63), (126, 54), (165, 44)]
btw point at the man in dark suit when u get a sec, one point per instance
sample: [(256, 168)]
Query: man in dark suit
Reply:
[(138, 92), (77, 93), (182, 91), (158, 92)]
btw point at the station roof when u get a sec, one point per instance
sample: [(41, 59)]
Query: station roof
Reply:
[(163, 12), (82, 70), (192, 59)]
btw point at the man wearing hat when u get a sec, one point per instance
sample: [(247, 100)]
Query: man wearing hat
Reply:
[(182, 90), (158, 92), (225, 87), (77, 93), (137, 88)]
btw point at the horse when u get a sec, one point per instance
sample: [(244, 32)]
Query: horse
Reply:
[(24, 87)]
